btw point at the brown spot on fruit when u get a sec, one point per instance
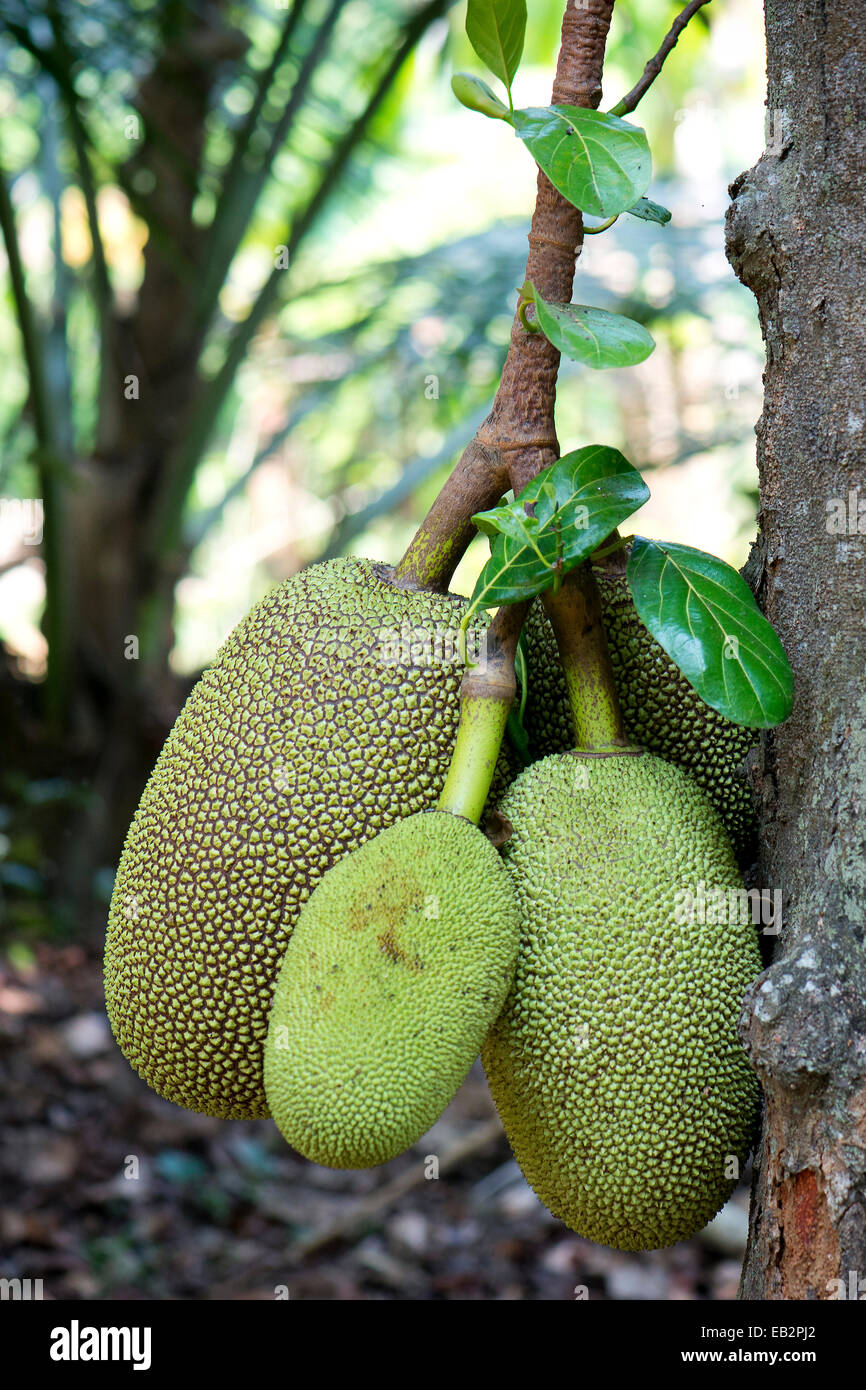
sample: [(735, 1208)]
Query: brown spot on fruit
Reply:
[(390, 946)]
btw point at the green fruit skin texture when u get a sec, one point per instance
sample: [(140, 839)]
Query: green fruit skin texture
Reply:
[(303, 739), (661, 711), (615, 1064), (398, 965)]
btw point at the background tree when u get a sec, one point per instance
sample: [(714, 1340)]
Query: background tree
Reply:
[(191, 133), (796, 238)]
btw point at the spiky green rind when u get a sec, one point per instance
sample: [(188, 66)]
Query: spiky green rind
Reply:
[(615, 1063), (397, 967), (328, 714), (661, 711)]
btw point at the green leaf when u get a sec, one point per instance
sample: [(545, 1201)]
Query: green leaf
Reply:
[(598, 162), (650, 211), (496, 30), (703, 613), (575, 504), (475, 94), (508, 521), (592, 336)]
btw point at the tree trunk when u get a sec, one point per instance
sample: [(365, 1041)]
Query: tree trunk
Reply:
[(116, 718), (797, 238)]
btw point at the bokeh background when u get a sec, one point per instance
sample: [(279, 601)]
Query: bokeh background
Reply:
[(257, 277)]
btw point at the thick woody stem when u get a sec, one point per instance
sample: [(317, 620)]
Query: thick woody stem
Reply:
[(477, 482), (521, 420), (518, 438)]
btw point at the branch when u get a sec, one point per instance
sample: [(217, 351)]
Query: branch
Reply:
[(238, 195), (654, 66), (264, 82), (158, 228), (104, 294), (58, 373), (518, 438), (47, 462)]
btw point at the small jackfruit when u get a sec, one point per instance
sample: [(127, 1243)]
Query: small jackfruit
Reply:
[(615, 1064), (329, 713), (661, 711), (397, 967)]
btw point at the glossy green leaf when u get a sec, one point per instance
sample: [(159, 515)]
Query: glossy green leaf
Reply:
[(704, 615), (476, 95), (592, 336), (598, 162), (509, 521), (649, 211), (496, 29), (574, 504)]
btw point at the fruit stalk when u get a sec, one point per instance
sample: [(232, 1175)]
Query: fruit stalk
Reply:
[(575, 615), (486, 696), (518, 438)]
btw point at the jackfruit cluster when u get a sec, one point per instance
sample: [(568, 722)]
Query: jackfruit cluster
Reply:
[(661, 711), (615, 1064), (328, 714), (397, 967)]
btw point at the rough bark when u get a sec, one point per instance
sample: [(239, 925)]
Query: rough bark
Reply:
[(796, 237)]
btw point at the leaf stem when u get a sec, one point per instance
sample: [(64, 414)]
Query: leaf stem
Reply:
[(602, 226), (521, 314)]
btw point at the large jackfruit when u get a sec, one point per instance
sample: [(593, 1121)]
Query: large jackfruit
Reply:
[(398, 965), (661, 711), (615, 1064), (328, 714)]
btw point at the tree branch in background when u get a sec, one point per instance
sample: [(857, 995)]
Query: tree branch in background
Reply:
[(49, 63), (241, 188), (66, 60), (165, 522), (48, 466), (264, 82), (654, 66), (58, 373)]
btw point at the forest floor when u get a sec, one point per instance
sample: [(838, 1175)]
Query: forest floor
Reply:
[(109, 1192)]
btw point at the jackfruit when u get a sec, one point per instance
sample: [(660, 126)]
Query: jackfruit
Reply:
[(329, 713), (397, 967), (615, 1064), (661, 711)]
